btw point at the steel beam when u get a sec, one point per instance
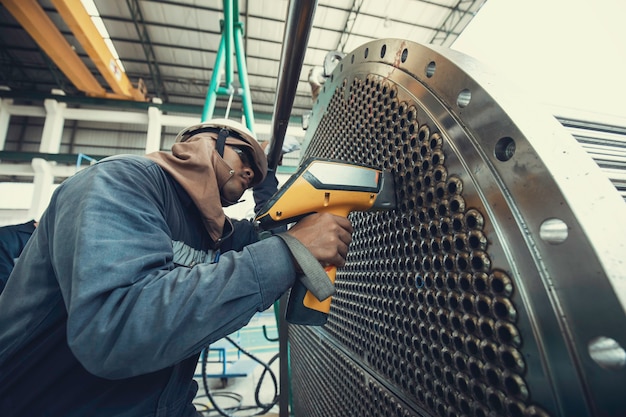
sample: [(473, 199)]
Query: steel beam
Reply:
[(37, 23), (80, 23)]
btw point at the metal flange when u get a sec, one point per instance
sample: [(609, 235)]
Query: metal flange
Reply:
[(497, 286)]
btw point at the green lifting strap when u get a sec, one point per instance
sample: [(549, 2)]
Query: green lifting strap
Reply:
[(232, 36)]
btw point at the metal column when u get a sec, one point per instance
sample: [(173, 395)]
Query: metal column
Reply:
[(298, 25)]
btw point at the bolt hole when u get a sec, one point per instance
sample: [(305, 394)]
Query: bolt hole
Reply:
[(383, 50), (607, 353), (505, 149), (553, 231), (405, 54), (464, 98), (430, 69), (366, 53)]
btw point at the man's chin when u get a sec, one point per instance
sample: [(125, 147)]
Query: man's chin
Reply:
[(227, 203)]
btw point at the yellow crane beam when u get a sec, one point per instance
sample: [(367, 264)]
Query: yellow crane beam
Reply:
[(37, 23), (80, 23)]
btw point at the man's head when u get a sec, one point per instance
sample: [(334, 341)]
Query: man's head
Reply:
[(238, 149)]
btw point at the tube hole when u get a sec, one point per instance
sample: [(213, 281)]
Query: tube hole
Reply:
[(492, 376)]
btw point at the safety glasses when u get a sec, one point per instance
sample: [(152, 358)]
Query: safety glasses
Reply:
[(243, 155)]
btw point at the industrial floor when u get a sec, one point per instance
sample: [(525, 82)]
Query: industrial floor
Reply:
[(236, 396)]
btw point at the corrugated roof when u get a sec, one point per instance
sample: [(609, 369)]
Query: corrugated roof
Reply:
[(172, 45)]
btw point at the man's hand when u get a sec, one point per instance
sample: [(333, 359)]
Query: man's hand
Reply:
[(326, 236)]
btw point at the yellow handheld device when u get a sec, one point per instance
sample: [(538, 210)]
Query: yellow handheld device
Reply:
[(330, 186)]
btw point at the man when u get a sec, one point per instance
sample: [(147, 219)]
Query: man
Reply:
[(13, 238), (135, 269)]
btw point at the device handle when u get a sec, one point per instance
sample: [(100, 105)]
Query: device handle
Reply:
[(304, 308)]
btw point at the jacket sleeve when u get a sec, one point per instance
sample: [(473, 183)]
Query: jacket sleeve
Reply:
[(130, 310), (13, 239)]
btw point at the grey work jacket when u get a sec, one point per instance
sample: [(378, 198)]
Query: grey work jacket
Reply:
[(109, 306)]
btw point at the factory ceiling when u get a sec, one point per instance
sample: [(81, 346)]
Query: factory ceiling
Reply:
[(168, 48)]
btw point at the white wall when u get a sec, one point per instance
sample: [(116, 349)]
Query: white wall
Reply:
[(15, 199), (565, 53), (16, 202), (90, 131)]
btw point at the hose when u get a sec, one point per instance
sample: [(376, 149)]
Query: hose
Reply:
[(228, 412)]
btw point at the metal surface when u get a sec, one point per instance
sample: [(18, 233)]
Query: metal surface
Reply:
[(497, 286)]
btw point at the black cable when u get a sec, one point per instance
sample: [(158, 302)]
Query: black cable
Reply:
[(263, 408), (204, 355)]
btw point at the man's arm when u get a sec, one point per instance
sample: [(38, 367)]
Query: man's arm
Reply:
[(130, 309)]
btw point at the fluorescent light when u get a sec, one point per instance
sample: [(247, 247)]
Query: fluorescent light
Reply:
[(92, 10)]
